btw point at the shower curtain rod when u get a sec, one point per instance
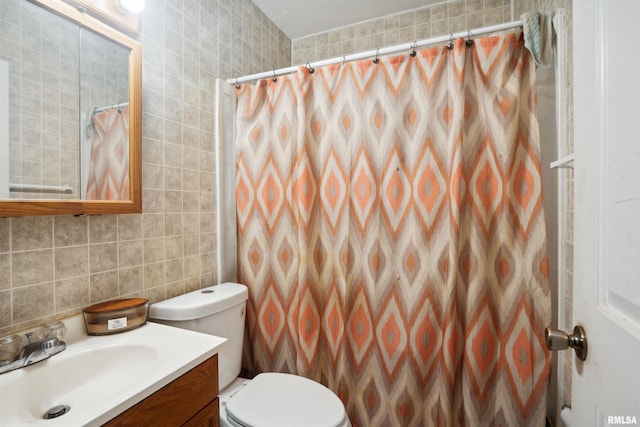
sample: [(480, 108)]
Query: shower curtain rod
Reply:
[(380, 52), (97, 110)]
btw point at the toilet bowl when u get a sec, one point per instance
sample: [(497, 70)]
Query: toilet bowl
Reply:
[(268, 400)]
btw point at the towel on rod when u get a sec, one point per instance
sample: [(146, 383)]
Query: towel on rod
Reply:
[(538, 37)]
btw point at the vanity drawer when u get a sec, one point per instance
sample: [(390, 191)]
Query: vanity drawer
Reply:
[(187, 400)]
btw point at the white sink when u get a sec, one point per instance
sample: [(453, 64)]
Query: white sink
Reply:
[(100, 377)]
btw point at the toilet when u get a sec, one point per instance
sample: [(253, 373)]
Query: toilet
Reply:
[(268, 400)]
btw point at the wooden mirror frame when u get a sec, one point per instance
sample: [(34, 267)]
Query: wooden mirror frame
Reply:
[(31, 207)]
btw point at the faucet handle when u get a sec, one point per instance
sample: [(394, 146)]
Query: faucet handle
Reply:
[(10, 347), (56, 329)]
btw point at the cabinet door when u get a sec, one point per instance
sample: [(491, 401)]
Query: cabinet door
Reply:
[(177, 402), (207, 417)]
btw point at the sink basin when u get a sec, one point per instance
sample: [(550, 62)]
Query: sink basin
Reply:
[(100, 377)]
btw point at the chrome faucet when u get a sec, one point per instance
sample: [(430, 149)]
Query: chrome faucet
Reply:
[(12, 356)]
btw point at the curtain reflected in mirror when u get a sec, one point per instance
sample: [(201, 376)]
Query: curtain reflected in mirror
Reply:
[(108, 171), (104, 95), (64, 122)]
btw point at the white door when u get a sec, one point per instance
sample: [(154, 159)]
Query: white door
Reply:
[(606, 387)]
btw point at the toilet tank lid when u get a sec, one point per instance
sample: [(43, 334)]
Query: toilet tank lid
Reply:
[(200, 303)]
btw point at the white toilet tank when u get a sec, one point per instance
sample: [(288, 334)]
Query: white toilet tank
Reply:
[(217, 310)]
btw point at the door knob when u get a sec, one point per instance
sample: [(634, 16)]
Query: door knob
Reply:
[(560, 340)]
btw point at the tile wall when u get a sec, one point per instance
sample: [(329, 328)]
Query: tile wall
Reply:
[(454, 16), (54, 266)]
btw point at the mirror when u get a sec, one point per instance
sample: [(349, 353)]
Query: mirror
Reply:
[(70, 113)]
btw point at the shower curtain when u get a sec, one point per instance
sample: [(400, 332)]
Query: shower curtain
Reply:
[(391, 234), (108, 177)]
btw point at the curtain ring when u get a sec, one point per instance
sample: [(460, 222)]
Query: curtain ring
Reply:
[(274, 79), (413, 49), (237, 84), (450, 45), (376, 59), (310, 68), (469, 42)]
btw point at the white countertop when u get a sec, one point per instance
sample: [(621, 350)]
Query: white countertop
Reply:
[(100, 377)]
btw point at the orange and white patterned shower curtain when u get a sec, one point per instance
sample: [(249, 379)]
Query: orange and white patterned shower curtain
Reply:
[(109, 164), (392, 237)]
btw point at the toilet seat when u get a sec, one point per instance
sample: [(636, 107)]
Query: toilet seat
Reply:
[(284, 400)]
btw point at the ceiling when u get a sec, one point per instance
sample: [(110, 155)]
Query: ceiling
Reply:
[(299, 18)]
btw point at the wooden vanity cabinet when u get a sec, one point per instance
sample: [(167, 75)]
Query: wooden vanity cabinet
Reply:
[(190, 400)]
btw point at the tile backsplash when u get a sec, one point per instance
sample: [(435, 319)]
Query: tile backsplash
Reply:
[(51, 267)]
